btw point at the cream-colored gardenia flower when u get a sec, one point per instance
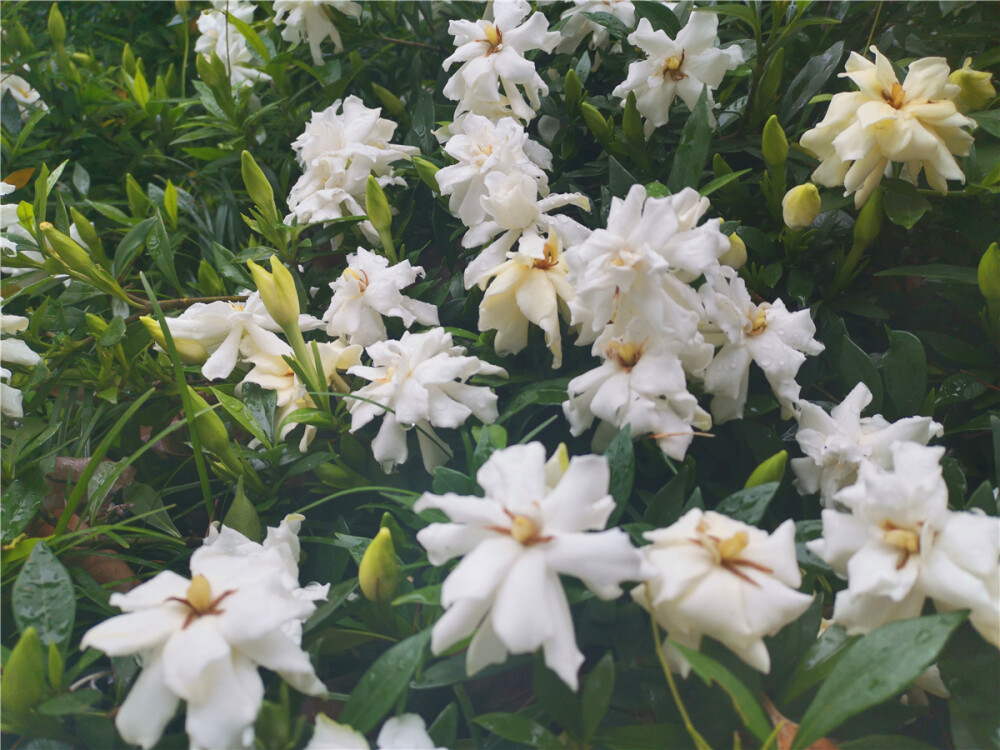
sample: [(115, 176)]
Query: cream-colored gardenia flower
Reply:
[(682, 67), (577, 25), (915, 124), (27, 98), (16, 352), (406, 732), (310, 20), (368, 289), (900, 544), (722, 578), (492, 56), (530, 287), (838, 443), (218, 35), (515, 543)]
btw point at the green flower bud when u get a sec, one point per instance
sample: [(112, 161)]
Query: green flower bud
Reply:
[(427, 172), (65, 249), (87, 232), (128, 60), (800, 206), (572, 92), (597, 124), (208, 280), (771, 470), (975, 88), (182, 6), (189, 351), (869, 222), (57, 26), (774, 144), (989, 281), (22, 684), (736, 256), (379, 213), (260, 190), (390, 101), (211, 430), (95, 324), (379, 571), (632, 122), (277, 292)]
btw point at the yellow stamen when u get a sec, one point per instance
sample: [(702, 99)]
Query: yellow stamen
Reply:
[(673, 63), (758, 323), (523, 529), (905, 539), (895, 97), (551, 251), (494, 37), (199, 594), (625, 353), (730, 549)]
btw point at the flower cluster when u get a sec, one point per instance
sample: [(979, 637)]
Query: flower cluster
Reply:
[(220, 36), (13, 352), (310, 20)]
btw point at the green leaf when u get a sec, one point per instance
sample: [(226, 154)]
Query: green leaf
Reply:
[(643, 737), (382, 685), (43, 597), (904, 368), (261, 404), (904, 207), (692, 150), (883, 741), (252, 37), (934, 272), (242, 414), (735, 10), (854, 366), (22, 682), (822, 656), (810, 80), (519, 729), (596, 695), (613, 24), (621, 462), (877, 667), (146, 500), (449, 480), (969, 667), (619, 178), (560, 704), (113, 333), (709, 670), (21, 499), (666, 506), (427, 595), (721, 181), (162, 252), (545, 392), (659, 17), (750, 504), (70, 703), (130, 246)]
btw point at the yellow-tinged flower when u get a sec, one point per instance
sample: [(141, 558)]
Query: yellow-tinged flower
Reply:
[(915, 123), (975, 88), (190, 351), (378, 573), (800, 206)]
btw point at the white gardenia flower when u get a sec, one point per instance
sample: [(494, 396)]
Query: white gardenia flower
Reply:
[(222, 328), (836, 444), (915, 124), (578, 26), (405, 732), (515, 543), (419, 381), (27, 98), (310, 20), (480, 146), (529, 287), (900, 544), (642, 383), (681, 67), (202, 641), (13, 352), (11, 225), (368, 289), (271, 372), (640, 266), (492, 55), (220, 36), (722, 578), (514, 210), (768, 334), (340, 147)]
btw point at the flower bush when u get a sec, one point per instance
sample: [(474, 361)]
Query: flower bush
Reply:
[(698, 345)]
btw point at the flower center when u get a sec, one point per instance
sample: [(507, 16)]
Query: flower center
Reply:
[(551, 250), (672, 67), (624, 353), (906, 540), (523, 529), (758, 323), (361, 278), (494, 37), (894, 98), (199, 600), (727, 551)]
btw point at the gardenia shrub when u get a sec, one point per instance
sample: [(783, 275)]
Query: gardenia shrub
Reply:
[(460, 375)]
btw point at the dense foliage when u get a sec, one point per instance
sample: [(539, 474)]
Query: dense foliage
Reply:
[(151, 180)]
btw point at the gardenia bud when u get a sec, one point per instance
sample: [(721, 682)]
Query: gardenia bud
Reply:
[(277, 291), (67, 250), (988, 276), (190, 352), (976, 91), (57, 26), (774, 144), (736, 256), (379, 571), (260, 190), (377, 208), (800, 206), (211, 429), (869, 222)]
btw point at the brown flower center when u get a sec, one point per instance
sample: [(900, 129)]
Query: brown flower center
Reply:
[(199, 600), (361, 278), (551, 258), (728, 551), (522, 529), (494, 37), (625, 353), (672, 67)]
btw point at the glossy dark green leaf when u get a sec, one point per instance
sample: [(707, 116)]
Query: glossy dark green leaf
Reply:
[(380, 687), (21, 499), (113, 333), (854, 366), (519, 729), (810, 80), (261, 404), (904, 368), (643, 737), (70, 703), (878, 666), (934, 272), (905, 207), (621, 462), (596, 694), (43, 597), (667, 504), (693, 148), (242, 515), (749, 505), (560, 704), (969, 668), (659, 17)]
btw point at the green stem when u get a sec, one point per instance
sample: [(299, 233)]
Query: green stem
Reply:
[(699, 741)]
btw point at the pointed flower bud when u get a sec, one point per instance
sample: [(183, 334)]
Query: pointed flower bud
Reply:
[(975, 88), (260, 190), (989, 281), (736, 256), (277, 291), (427, 171), (774, 144), (869, 222), (57, 26), (66, 249), (379, 571), (379, 213), (770, 470), (572, 92), (800, 206), (190, 351), (211, 429)]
